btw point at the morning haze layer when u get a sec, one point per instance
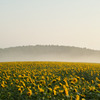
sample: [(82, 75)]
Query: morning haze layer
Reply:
[(49, 53)]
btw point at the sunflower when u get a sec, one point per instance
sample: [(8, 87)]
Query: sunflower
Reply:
[(75, 80), (29, 93)]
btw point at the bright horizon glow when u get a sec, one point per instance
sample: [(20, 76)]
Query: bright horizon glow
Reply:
[(50, 22)]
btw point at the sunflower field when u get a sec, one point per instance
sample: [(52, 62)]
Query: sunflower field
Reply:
[(49, 81)]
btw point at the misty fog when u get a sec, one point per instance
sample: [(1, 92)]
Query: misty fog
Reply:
[(49, 57), (49, 53)]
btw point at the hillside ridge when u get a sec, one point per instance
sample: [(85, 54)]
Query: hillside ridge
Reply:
[(49, 53)]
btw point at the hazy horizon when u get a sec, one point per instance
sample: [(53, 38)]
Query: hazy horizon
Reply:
[(55, 22), (49, 53)]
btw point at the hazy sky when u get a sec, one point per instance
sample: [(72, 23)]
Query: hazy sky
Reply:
[(54, 22)]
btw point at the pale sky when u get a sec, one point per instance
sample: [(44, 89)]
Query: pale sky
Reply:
[(50, 22)]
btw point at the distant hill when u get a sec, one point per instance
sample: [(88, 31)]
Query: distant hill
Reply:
[(49, 53)]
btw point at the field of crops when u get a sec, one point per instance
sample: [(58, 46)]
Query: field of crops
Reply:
[(49, 81)]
